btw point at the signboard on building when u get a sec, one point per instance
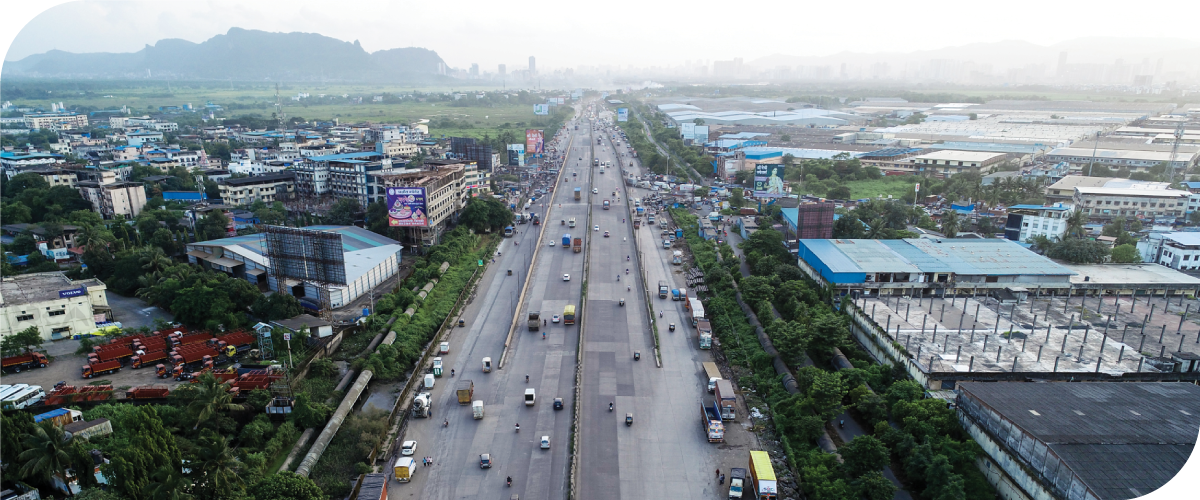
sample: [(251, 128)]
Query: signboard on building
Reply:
[(77, 292), (516, 155), (541, 109), (407, 207), (533, 141), (700, 134), (622, 114), (768, 181), (686, 130)]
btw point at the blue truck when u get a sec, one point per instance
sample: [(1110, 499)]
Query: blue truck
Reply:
[(566, 243)]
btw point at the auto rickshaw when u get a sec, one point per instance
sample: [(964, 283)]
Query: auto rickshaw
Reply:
[(637, 355), (462, 322), (487, 365), (563, 221), (671, 327), (622, 302), (628, 419)]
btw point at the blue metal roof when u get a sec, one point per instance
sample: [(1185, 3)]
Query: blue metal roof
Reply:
[(1192, 184), (791, 215), (889, 152), (1038, 207), (960, 256), (345, 156)]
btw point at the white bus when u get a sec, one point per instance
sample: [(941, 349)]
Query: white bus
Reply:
[(24, 398), (8, 390)]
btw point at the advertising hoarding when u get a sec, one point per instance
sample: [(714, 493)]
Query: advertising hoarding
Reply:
[(533, 141), (407, 207), (686, 130), (516, 155), (768, 181), (541, 109), (700, 134), (622, 114)]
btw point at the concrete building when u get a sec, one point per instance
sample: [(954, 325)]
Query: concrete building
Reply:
[(1106, 203), (1027, 221), (369, 260), (267, 188), (57, 176), (144, 137), (56, 121), (444, 194), (343, 175), (1134, 160), (14, 163), (1084, 440), (946, 163), (112, 198), (56, 305), (892, 160), (1176, 250)]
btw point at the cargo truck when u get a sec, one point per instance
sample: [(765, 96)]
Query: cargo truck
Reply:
[(535, 321), (477, 409), (663, 290), (566, 241), (24, 361), (101, 368), (373, 487), (677, 257), (147, 358), (421, 406), (120, 355), (465, 390), (710, 420), (704, 334), (737, 482), (678, 233), (762, 476), (726, 399), (194, 358), (578, 194), (637, 223), (404, 469), (147, 392), (697, 309), (713, 374), (577, 245), (650, 219)]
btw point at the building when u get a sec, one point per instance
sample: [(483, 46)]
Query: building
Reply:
[(892, 160), (1085, 440), (57, 176), (267, 188), (112, 198), (54, 304), (1027, 221), (1134, 160), (1176, 250), (1106, 203), (343, 174), (445, 195), (476, 180), (56, 121), (809, 221), (143, 137), (14, 163), (90, 428), (369, 260), (949, 162), (895, 266)]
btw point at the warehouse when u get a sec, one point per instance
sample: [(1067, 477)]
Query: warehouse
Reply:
[(57, 306)]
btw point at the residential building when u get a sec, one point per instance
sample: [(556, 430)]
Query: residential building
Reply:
[(1063, 191), (143, 137), (1134, 160), (476, 180), (1177, 250), (112, 198), (316, 150), (444, 194), (398, 147), (126, 153), (182, 157), (57, 176), (56, 121), (54, 304), (1106, 203), (949, 162), (14, 163), (342, 174), (267, 188), (1027, 221)]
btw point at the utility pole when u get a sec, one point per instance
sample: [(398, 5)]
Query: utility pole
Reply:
[(1094, 146), (1174, 150)]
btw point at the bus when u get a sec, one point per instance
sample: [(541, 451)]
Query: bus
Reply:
[(569, 315), (508, 231), (9, 390), (21, 399)]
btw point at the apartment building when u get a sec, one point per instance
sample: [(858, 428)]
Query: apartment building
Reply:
[(444, 194), (266, 188), (112, 198), (893, 160), (58, 176), (1028, 221), (948, 162), (476, 181), (1176, 250), (342, 174), (394, 148), (56, 121), (1106, 203)]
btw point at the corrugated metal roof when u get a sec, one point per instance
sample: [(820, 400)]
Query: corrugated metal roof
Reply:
[(959, 256)]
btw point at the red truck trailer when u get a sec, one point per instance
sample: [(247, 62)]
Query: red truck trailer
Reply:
[(23, 361), (101, 368), (121, 355), (146, 358), (195, 338), (148, 392)]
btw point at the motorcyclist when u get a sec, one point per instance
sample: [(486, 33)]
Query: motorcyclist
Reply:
[(610, 407), (518, 427)]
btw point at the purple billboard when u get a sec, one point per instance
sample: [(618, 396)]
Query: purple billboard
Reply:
[(406, 207)]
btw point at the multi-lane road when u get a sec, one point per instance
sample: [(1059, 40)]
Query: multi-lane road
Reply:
[(664, 453)]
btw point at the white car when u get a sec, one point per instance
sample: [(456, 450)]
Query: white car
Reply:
[(408, 448), (552, 242), (554, 319), (595, 228), (595, 190), (566, 277), (545, 442)]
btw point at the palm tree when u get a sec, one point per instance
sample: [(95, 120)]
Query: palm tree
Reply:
[(211, 397), (46, 452), (216, 466), (951, 223), (93, 237), (154, 260), (169, 483), (1075, 222)]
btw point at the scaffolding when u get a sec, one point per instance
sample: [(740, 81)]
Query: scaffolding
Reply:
[(306, 256)]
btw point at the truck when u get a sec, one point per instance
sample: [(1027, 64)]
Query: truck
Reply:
[(697, 309), (641, 211), (148, 358), (677, 257), (530, 397), (726, 399), (60, 417), (704, 334), (535, 321), (465, 390), (508, 231), (679, 294), (566, 241), (571, 222), (637, 223), (762, 476), (713, 374), (663, 290), (404, 469), (678, 233), (477, 409), (120, 354), (577, 245), (147, 392), (606, 204), (737, 482), (194, 358), (710, 420), (421, 406), (373, 487), (714, 216), (22, 361), (578, 194), (101, 368), (650, 219)]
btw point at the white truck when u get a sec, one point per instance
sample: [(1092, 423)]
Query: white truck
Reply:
[(713, 374), (530, 396), (697, 308), (677, 257), (421, 406), (477, 409)]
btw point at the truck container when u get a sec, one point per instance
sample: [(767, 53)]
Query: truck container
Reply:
[(121, 355), (25, 361), (421, 407), (704, 334), (663, 290), (697, 309), (148, 358), (714, 216), (737, 482), (148, 392), (578, 194), (535, 321), (726, 399), (677, 294), (404, 469), (606, 204), (641, 211), (710, 420), (762, 476), (577, 245), (677, 257), (477, 409), (679, 233), (566, 241), (60, 417), (712, 374), (465, 390), (194, 357), (508, 231), (101, 368), (194, 338), (373, 487)]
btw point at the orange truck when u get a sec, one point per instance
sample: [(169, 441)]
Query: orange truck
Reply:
[(28, 360), (101, 368), (146, 358)]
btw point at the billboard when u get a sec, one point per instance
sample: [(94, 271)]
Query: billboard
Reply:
[(516, 155), (622, 114), (541, 109), (407, 207), (533, 141), (768, 181), (686, 130), (700, 134)]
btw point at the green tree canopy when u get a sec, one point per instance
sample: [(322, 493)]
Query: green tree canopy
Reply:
[(287, 486)]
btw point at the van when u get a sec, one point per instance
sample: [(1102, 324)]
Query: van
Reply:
[(530, 397), (429, 381), (404, 469)]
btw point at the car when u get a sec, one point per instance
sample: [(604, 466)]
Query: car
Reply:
[(551, 241), (606, 234), (558, 403), (485, 461), (444, 348), (554, 319), (545, 442), (408, 448), (595, 228), (595, 191), (566, 277)]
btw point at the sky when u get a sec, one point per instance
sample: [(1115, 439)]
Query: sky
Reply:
[(569, 34)]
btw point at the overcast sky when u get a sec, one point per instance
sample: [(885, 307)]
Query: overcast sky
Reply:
[(570, 34)]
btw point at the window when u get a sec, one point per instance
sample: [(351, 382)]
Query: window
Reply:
[(57, 313), (25, 317)]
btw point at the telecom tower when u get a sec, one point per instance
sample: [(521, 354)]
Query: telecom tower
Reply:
[(1174, 150), (279, 108)]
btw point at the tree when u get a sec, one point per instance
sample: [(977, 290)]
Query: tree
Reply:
[(287, 486), (1079, 251), (212, 227), (827, 391), (785, 138), (1126, 254), (343, 212), (735, 197), (46, 452), (951, 223), (21, 341), (1075, 222), (873, 486), (839, 193), (21, 182), (904, 390), (864, 454), (16, 425), (150, 446), (209, 398), (308, 414), (276, 306), (169, 483), (216, 468)]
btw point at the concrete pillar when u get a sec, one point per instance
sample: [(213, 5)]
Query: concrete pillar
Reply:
[(1099, 359), (889, 324), (1103, 342), (906, 341), (976, 313), (923, 319), (935, 325), (1067, 302), (1037, 291), (907, 307), (958, 354), (985, 342), (1180, 349), (1133, 302), (1064, 343), (1184, 317), (1142, 343), (872, 308), (972, 333), (1086, 330), (943, 315), (918, 356), (1140, 361), (1145, 319), (971, 365), (1162, 333), (999, 349), (1121, 354), (1039, 357), (1056, 364), (1123, 332), (1106, 323), (1150, 317)]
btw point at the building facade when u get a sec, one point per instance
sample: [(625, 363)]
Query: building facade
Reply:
[(1106, 203), (54, 304), (267, 188), (1028, 221), (444, 193), (112, 198), (56, 121), (949, 162)]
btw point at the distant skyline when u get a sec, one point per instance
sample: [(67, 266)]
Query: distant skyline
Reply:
[(615, 33)]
